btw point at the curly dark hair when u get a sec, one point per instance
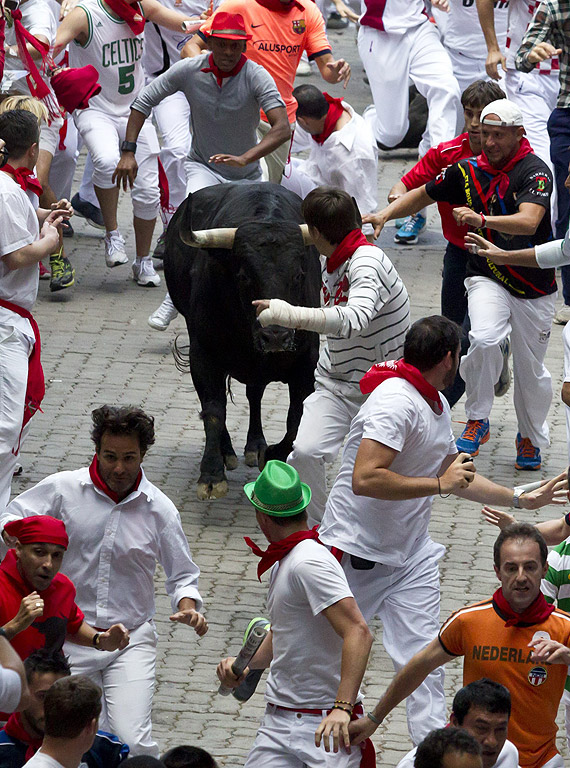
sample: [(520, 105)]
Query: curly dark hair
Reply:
[(122, 420)]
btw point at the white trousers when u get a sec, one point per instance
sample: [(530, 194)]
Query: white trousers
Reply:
[(287, 740), (172, 116), (199, 176), (127, 681), (494, 314), (103, 135), (390, 60), (406, 600), (536, 96), (63, 164), (15, 348), (324, 425)]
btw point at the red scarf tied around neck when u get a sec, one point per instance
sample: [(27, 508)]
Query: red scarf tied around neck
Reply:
[(335, 111), (278, 549), (98, 481), (218, 72), (128, 13), (401, 370), (15, 730), (345, 249), (538, 611), (501, 180), (25, 178)]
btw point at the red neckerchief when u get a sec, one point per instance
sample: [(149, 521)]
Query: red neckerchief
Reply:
[(16, 730), (501, 175), (218, 72), (333, 115), (537, 612), (37, 85), (35, 385), (25, 178), (345, 249), (129, 14), (278, 549), (98, 481), (401, 370), (279, 7)]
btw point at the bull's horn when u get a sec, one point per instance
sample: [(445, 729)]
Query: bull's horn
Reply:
[(209, 238), (307, 239)]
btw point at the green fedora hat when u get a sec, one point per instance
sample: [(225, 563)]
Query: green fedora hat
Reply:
[(278, 491)]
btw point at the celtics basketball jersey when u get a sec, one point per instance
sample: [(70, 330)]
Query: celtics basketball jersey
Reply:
[(115, 52)]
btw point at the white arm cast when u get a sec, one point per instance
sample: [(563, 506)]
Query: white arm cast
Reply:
[(556, 253), (306, 318)]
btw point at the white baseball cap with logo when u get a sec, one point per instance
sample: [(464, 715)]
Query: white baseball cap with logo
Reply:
[(507, 111)]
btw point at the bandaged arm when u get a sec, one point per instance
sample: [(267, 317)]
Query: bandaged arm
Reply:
[(316, 319), (553, 254)]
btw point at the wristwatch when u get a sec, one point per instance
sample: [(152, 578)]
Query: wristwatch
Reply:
[(129, 146), (517, 493), (3, 633)]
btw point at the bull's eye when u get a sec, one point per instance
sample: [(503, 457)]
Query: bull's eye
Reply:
[(299, 277)]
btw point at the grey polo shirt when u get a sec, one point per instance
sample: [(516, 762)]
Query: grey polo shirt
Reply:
[(223, 120)]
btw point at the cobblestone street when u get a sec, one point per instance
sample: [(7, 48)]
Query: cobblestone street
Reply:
[(97, 348)]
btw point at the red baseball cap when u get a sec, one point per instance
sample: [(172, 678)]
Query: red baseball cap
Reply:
[(229, 26)]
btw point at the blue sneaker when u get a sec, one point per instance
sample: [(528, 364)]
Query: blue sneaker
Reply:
[(475, 434), (410, 229), (88, 211), (528, 457)]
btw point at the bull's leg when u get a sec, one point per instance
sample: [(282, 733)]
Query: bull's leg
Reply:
[(255, 444), (210, 387), (299, 388), (228, 453)]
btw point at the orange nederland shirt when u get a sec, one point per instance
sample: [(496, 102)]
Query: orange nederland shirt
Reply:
[(501, 653), (280, 34)]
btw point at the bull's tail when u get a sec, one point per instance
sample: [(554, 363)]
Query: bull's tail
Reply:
[(181, 354)]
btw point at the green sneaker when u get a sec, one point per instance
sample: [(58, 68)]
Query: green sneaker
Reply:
[(62, 273)]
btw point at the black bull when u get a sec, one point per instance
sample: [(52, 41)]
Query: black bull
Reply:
[(214, 287)]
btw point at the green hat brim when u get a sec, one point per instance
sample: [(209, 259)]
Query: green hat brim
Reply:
[(305, 490)]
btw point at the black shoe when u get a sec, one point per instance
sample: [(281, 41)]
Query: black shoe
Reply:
[(336, 21), (67, 229), (88, 211), (62, 273)]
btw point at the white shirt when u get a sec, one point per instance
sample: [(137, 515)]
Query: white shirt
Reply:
[(508, 757), (41, 760), (114, 547), (10, 689), (305, 670), (397, 16), (372, 311), (39, 19), (20, 227), (463, 33), (397, 416), (162, 47), (348, 159)]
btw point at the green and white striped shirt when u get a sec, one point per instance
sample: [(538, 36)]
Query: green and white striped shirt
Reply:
[(556, 584)]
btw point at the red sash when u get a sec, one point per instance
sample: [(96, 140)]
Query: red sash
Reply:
[(35, 387), (335, 111), (218, 72), (345, 249), (278, 549), (401, 370), (537, 612)]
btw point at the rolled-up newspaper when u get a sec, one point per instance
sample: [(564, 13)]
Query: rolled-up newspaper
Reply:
[(247, 652)]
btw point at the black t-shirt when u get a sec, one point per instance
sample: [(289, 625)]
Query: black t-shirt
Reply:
[(530, 181)]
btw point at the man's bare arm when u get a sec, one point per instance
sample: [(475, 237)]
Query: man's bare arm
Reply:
[(193, 47), (405, 205), (486, 13)]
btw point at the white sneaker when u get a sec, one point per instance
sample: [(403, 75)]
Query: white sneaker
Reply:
[(164, 315), (115, 253), (144, 273)]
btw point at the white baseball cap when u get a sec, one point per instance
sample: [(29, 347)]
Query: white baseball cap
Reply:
[(507, 111)]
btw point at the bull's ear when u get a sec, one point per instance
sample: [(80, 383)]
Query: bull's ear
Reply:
[(357, 211)]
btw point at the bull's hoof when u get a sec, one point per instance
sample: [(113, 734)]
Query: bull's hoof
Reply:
[(231, 461), (251, 458), (206, 491)]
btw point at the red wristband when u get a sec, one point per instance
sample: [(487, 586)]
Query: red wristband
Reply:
[(483, 221)]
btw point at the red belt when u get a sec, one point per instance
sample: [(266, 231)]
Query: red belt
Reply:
[(358, 710)]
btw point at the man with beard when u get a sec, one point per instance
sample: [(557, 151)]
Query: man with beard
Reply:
[(400, 453)]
